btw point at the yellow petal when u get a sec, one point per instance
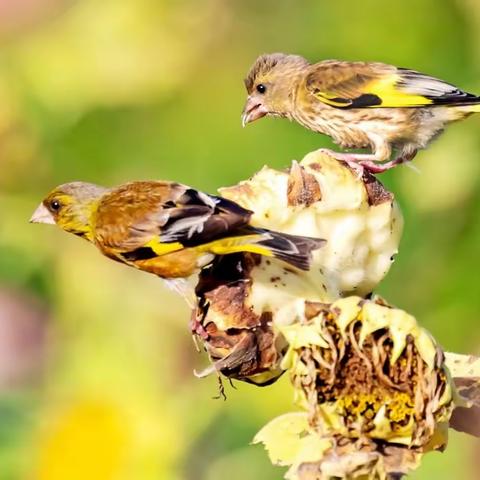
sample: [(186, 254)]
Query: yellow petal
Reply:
[(289, 440)]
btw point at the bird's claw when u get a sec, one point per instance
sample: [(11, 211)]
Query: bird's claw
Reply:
[(347, 158), (329, 153), (359, 164), (357, 168), (373, 167)]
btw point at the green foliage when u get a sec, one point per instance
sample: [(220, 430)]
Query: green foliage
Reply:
[(113, 91)]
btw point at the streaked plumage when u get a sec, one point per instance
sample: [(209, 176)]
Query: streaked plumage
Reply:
[(359, 105), (165, 228)]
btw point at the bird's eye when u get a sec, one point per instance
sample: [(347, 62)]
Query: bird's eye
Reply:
[(55, 205), (261, 88)]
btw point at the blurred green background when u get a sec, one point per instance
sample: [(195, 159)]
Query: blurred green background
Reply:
[(96, 359)]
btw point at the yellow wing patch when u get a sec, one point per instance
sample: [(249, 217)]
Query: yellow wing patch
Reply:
[(333, 100), (244, 243), (387, 90), (163, 248), (380, 92), (222, 246)]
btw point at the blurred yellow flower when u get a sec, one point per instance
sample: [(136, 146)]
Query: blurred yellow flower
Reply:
[(89, 440)]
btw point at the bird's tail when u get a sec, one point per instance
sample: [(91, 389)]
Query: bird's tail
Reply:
[(474, 108), (469, 108), (293, 249)]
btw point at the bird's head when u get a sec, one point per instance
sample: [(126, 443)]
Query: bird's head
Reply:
[(70, 206), (271, 84)]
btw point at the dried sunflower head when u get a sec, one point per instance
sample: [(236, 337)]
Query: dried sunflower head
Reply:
[(321, 197), (243, 299), (375, 386)]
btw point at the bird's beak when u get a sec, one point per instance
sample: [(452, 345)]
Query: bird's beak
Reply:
[(42, 215), (253, 110)]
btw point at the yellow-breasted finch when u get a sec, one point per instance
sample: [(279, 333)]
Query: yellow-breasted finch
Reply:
[(165, 228), (358, 104)]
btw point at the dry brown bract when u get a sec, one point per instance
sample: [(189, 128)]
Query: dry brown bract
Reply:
[(241, 343)]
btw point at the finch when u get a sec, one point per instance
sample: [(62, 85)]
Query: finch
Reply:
[(358, 104), (165, 228)]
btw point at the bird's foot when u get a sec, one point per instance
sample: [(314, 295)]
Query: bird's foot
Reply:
[(357, 167), (360, 162), (351, 159), (373, 167)]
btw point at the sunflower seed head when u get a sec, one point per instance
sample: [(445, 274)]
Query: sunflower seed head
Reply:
[(376, 389), (371, 371), (244, 299)]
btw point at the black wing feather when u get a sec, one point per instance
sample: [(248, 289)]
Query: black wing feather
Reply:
[(199, 218), (439, 91)]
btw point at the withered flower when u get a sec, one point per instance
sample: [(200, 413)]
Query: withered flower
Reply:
[(375, 389), (375, 386), (244, 299)]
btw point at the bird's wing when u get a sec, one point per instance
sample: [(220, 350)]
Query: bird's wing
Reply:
[(364, 85), (197, 218), (157, 225)]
